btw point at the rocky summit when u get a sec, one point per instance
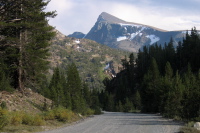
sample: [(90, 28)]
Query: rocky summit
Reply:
[(116, 33), (77, 35)]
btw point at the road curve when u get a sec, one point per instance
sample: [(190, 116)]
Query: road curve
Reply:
[(116, 122)]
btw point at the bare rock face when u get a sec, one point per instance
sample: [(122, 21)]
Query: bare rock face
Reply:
[(117, 33)]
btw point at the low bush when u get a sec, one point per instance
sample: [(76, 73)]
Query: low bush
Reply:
[(3, 105), (38, 121), (190, 124), (4, 118), (88, 111), (20, 118), (49, 115), (63, 114), (27, 119), (97, 110), (16, 118)]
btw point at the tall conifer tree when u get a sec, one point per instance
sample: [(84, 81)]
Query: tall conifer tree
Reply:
[(25, 36), (75, 88)]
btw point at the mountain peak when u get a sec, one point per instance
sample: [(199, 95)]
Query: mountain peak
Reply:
[(106, 17), (109, 18)]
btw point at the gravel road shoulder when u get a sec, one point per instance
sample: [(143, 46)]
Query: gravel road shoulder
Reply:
[(117, 122)]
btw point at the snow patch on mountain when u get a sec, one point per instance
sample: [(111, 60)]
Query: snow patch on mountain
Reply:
[(120, 38), (133, 25), (133, 35), (77, 41), (153, 38)]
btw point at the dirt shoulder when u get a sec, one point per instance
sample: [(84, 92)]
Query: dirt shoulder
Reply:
[(116, 122)]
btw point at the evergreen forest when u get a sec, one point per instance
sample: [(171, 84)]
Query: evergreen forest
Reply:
[(162, 80)]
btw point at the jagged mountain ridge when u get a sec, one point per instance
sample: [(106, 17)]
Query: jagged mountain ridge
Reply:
[(116, 33)]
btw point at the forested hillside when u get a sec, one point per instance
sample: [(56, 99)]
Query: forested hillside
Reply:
[(162, 79), (90, 58)]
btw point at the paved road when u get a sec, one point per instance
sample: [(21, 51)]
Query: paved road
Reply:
[(115, 122)]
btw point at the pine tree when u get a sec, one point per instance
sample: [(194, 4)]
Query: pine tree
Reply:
[(75, 88), (128, 106), (151, 87), (4, 80), (57, 89), (25, 32), (87, 94), (191, 95), (166, 90), (137, 100), (119, 107)]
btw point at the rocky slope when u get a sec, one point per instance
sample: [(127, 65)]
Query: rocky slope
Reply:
[(30, 102), (117, 33)]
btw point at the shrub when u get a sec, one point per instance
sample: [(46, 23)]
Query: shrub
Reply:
[(49, 115), (38, 121), (32, 120), (88, 111), (3, 105), (4, 119), (190, 124), (97, 110), (27, 119), (16, 118), (128, 107), (63, 114)]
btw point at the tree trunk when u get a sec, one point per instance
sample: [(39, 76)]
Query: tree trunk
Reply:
[(20, 67)]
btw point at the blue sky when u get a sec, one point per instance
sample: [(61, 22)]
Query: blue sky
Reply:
[(81, 15)]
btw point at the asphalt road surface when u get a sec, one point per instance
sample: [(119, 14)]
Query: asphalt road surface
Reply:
[(116, 122)]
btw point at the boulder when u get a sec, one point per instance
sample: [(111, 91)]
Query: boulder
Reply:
[(197, 125)]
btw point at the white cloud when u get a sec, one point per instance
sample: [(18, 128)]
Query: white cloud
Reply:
[(81, 15)]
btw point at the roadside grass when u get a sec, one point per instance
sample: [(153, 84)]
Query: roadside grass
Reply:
[(21, 129), (19, 121)]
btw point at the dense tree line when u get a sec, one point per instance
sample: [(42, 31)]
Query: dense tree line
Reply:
[(161, 79), (70, 92), (24, 42)]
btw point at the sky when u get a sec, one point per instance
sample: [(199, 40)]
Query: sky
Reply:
[(81, 15)]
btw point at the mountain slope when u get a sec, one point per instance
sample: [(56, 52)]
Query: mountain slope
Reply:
[(117, 33), (90, 57)]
